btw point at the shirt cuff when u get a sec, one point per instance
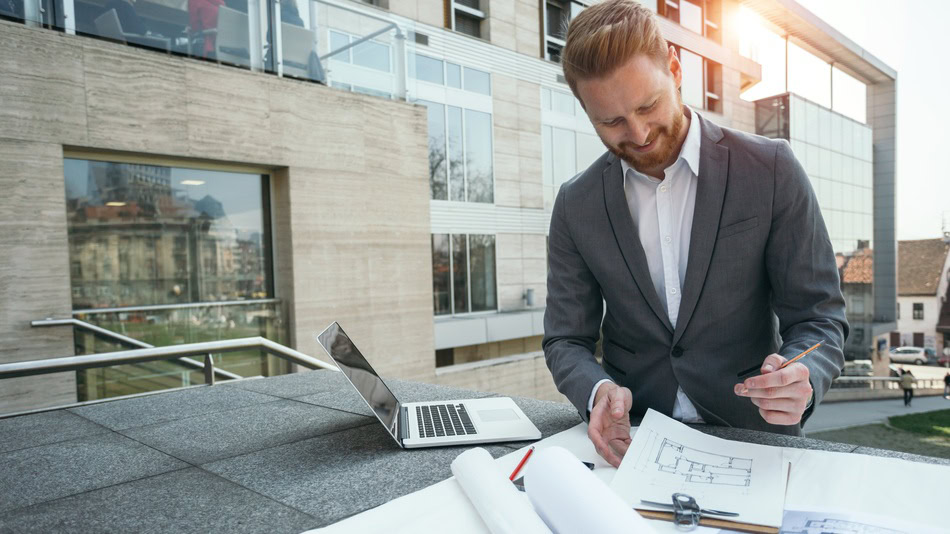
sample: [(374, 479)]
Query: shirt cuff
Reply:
[(590, 401)]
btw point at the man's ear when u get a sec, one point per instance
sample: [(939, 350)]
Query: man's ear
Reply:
[(676, 68)]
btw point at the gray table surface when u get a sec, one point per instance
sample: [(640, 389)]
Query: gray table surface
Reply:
[(281, 454)]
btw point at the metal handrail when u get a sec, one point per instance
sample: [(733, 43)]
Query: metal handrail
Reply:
[(108, 359), (181, 306), (109, 334)]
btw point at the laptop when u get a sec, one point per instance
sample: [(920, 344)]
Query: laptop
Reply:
[(427, 424)]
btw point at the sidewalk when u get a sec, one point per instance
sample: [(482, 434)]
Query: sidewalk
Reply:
[(835, 415)]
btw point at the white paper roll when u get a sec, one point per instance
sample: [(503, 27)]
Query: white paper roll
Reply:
[(502, 507), (569, 498)]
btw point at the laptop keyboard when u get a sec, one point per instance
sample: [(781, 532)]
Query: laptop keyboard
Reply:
[(438, 420)]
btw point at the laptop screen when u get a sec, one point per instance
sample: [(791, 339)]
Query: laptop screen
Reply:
[(361, 374)]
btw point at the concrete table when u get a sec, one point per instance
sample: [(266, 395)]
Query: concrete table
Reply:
[(281, 454)]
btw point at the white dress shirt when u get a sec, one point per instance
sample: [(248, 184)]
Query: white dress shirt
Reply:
[(663, 213)]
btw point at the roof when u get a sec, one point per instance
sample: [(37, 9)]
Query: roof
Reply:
[(859, 268), (810, 32), (919, 266)]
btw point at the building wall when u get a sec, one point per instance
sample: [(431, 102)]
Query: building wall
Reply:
[(350, 211), (908, 326)]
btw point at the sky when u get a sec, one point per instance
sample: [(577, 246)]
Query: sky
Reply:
[(906, 35)]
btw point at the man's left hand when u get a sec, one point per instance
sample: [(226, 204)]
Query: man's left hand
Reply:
[(782, 395)]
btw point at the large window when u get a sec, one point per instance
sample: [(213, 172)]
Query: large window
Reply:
[(568, 141), (557, 15), (918, 310), (463, 273), (701, 16), (147, 234), (460, 154), (466, 16)]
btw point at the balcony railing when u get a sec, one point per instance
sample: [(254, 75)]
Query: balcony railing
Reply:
[(334, 42), (172, 325)]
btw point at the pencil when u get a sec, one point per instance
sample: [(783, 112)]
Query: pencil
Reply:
[(521, 463), (795, 359), (802, 355)]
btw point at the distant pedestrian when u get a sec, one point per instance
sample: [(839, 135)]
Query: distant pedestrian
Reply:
[(946, 386), (907, 384)]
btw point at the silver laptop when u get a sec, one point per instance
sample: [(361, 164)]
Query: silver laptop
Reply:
[(427, 424)]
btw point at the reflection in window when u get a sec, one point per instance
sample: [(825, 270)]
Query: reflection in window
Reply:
[(460, 274), (460, 154), (146, 234), (482, 251), (463, 273), (441, 284), (478, 156), (438, 181)]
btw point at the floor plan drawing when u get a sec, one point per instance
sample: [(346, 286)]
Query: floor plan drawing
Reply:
[(796, 522), (703, 467)]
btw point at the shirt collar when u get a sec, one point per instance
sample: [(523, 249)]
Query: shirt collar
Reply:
[(689, 152)]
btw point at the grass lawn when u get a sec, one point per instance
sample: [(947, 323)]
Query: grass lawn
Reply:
[(924, 433)]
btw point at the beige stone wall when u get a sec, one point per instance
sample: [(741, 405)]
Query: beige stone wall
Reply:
[(527, 376), (351, 217), (427, 11)]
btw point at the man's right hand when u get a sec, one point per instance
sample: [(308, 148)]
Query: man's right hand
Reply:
[(609, 427)]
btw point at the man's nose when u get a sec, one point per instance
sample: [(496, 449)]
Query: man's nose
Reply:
[(639, 132)]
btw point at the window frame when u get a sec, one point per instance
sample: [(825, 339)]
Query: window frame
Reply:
[(468, 275), (454, 7), (548, 37), (711, 29), (918, 311)]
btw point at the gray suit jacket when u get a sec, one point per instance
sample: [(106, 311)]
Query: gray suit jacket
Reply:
[(758, 250)]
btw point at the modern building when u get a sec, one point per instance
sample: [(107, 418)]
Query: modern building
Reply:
[(174, 174), (923, 283)]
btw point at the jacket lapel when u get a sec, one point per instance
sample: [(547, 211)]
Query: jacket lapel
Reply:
[(710, 191), (625, 231)]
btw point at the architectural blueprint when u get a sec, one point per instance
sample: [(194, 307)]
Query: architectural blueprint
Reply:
[(667, 457)]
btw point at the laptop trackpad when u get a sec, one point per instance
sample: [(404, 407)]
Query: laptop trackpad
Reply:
[(494, 416)]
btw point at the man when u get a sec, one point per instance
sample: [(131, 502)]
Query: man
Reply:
[(697, 238)]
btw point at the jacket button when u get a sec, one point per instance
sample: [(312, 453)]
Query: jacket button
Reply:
[(676, 352)]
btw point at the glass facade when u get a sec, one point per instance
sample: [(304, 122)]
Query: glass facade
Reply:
[(463, 274), (836, 152), (152, 245), (460, 139)]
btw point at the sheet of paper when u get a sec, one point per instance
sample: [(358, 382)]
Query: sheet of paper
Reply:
[(837, 522), (503, 509), (569, 498), (668, 457), (864, 485)]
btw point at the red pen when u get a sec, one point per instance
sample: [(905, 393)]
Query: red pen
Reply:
[(521, 463)]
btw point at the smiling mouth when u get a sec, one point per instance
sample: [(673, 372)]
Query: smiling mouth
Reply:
[(647, 147)]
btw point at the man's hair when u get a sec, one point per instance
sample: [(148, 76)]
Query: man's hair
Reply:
[(607, 35)]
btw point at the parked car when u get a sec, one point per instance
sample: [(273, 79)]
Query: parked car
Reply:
[(858, 368), (914, 355)]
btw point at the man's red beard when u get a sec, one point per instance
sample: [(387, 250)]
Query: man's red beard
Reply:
[(666, 138)]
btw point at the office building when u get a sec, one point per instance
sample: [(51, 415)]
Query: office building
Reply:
[(175, 176)]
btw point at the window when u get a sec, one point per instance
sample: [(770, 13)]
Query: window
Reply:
[(460, 154), (147, 234), (463, 273), (466, 16), (370, 54), (702, 81), (918, 310), (556, 16), (440, 72), (701, 16), (898, 310)]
